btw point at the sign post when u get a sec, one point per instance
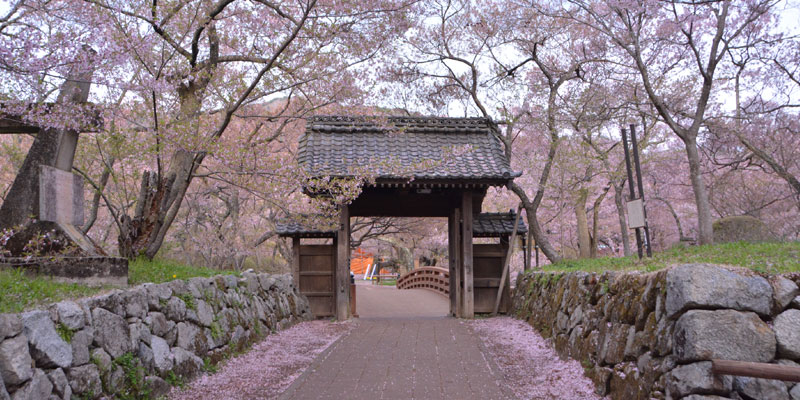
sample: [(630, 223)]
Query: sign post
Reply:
[(637, 215)]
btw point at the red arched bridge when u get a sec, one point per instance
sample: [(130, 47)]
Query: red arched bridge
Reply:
[(431, 278)]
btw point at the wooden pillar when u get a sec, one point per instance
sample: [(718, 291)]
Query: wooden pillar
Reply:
[(454, 254), (343, 265), (468, 307), (296, 261)]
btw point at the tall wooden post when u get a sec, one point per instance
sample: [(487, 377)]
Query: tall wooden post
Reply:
[(343, 265), (296, 261), (641, 189), (454, 254), (466, 254), (631, 186)]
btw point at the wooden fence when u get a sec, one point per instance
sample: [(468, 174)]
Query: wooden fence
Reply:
[(431, 278)]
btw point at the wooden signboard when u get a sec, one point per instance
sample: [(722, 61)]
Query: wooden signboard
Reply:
[(636, 214)]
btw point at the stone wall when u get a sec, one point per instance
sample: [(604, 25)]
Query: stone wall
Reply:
[(135, 343), (642, 336)]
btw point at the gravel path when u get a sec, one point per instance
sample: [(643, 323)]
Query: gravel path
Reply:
[(530, 366), (269, 367)]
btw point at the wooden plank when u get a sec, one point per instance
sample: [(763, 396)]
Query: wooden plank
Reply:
[(316, 284), (458, 268), (342, 276), (319, 294), (466, 251), (756, 370), (296, 261), (507, 260), (486, 282), (452, 249), (12, 125), (316, 263), (317, 250), (316, 273), (321, 307)]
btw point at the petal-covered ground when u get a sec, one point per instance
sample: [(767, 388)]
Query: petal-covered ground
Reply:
[(530, 366), (269, 367)]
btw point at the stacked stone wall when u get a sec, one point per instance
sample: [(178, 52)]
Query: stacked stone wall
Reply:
[(652, 335), (135, 343)]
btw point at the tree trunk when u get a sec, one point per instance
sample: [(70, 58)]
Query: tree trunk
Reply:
[(704, 228), (623, 226), (596, 220), (675, 216), (98, 193), (161, 196), (584, 242), (539, 237)]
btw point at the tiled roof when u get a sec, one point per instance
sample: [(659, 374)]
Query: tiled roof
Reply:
[(304, 227), (497, 224), (425, 148)]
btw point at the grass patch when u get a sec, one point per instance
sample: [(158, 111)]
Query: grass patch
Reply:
[(189, 300), (65, 332), (767, 258), (134, 386), (143, 270), (21, 292), (388, 282)]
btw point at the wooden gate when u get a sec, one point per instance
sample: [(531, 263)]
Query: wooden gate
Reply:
[(316, 277), (488, 264)]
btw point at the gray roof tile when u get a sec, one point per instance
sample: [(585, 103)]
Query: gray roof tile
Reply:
[(304, 226), (426, 148), (497, 224)]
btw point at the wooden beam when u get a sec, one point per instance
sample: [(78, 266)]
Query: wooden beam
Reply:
[(343, 265), (466, 255), (453, 226), (756, 370), (10, 125), (507, 261), (296, 261)]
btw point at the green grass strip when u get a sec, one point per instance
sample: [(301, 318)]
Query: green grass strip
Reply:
[(19, 292), (143, 270), (766, 258)]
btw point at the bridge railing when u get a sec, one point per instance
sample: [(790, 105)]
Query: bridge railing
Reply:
[(432, 278)]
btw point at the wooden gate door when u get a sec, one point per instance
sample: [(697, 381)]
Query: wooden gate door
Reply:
[(317, 268), (488, 264)]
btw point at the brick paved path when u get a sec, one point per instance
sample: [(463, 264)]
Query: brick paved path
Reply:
[(395, 356)]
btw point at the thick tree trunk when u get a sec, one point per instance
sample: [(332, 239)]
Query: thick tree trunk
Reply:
[(623, 227), (584, 242), (704, 228), (161, 196)]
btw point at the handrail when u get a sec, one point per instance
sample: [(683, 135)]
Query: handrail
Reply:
[(431, 278), (756, 370)]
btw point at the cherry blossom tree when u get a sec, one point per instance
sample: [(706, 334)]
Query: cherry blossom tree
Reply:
[(185, 69), (677, 48)]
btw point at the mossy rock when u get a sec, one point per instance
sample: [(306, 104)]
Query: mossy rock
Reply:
[(741, 228)]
